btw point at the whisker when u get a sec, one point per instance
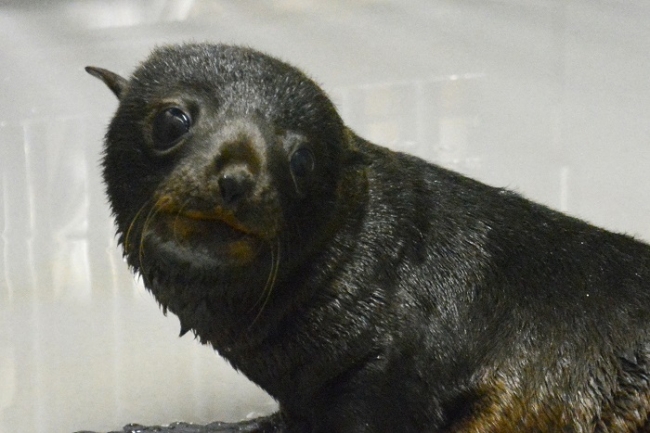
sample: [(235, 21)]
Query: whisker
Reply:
[(178, 214), (268, 280), (268, 288), (127, 236), (152, 213)]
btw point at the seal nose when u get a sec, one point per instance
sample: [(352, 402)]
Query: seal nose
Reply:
[(238, 160), (234, 185)]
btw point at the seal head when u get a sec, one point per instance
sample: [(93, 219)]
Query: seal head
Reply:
[(222, 166)]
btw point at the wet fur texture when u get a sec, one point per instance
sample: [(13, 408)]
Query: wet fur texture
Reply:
[(378, 293)]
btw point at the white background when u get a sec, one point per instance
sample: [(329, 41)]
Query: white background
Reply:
[(550, 98)]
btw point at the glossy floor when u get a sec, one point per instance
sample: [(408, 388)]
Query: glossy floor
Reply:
[(550, 98)]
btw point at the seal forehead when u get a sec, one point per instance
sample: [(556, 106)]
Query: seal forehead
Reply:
[(213, 63), (239, 79)]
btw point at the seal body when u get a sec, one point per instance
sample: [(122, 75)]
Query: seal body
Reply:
[(366, 290)]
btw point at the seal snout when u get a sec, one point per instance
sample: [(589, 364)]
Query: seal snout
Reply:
[(220, 194), (240, 145)]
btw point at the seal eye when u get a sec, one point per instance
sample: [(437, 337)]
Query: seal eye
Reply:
[(168, 127), (302, 162)]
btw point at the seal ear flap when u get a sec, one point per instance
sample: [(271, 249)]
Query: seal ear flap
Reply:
[(116, 83)]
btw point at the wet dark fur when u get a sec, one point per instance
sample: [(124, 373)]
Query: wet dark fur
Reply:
[(380, 293)]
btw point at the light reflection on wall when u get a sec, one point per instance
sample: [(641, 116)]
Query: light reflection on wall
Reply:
[(125, 13), (48, 182), (431, 118), (58, 187)]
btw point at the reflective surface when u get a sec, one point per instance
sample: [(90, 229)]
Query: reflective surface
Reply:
[(545, 97)]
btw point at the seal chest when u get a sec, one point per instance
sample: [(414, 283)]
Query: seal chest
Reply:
[(366, 290)]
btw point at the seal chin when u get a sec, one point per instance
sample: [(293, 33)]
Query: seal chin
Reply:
[(200, 240)]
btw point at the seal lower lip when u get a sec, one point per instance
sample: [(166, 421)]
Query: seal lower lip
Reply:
[(185, 228), (205, 236)]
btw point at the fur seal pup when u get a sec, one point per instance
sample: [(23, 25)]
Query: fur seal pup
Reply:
[(366, 290)]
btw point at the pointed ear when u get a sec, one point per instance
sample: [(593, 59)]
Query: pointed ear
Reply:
[(114, 82)]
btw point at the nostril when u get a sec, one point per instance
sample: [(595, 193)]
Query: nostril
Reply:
[(232, 187)]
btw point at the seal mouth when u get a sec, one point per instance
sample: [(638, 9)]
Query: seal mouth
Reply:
[(197, 219), (190, 228), (206, 234)]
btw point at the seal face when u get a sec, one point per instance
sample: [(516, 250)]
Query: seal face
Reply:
[(366, 290), (205, 167)]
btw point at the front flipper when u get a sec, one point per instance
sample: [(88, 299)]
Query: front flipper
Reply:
[(268, 424)]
